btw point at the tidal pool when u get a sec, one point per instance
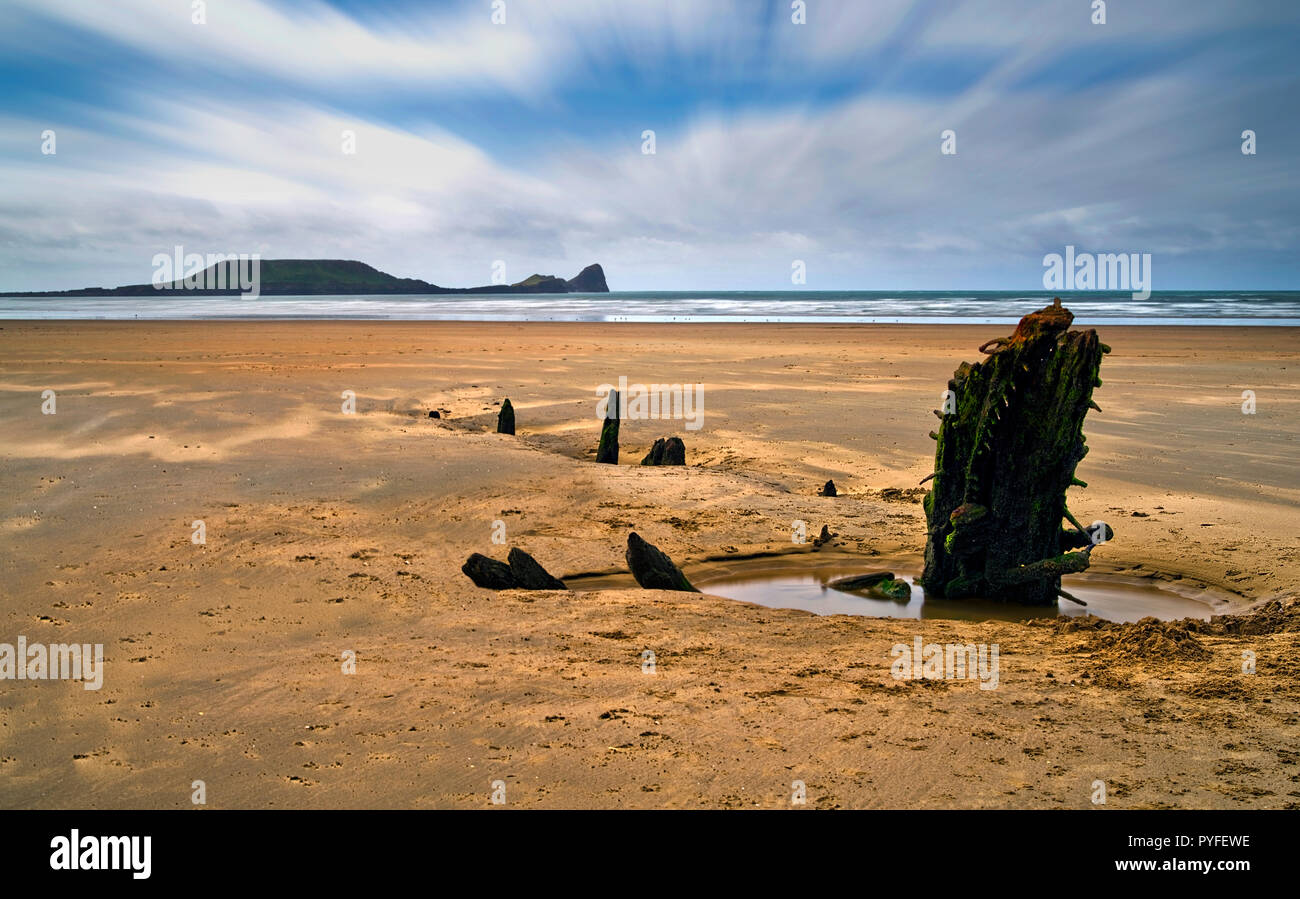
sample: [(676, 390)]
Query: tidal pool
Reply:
[(799, 582)]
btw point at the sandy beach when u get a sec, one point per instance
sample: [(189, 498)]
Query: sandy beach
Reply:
[(327, 533)]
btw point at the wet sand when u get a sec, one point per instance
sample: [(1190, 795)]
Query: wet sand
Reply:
[(328, 532)]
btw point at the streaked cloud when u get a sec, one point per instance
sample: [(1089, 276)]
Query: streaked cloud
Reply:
[(521, 142)]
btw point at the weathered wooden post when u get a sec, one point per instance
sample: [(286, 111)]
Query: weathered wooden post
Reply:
[(1006, 454), (607, 450), (506, 418), (652, 567)]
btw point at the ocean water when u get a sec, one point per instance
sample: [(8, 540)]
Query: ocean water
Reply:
[(1276, 308)]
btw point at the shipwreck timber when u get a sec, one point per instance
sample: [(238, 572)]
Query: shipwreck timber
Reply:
[(1010, 438)]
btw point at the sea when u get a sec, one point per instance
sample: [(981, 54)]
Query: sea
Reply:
[(1203, 307)]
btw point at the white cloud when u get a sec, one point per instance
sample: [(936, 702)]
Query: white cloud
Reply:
[(859, 190), (313, 43)]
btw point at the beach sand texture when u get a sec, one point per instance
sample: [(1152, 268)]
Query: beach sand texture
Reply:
[(328, 532)]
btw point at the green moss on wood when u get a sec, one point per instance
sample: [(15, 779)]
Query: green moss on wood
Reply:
[(1005, 458)]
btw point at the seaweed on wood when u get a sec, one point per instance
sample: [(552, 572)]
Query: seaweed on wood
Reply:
[(997, 524)]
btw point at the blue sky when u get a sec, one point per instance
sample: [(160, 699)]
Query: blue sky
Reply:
[(775, 141)]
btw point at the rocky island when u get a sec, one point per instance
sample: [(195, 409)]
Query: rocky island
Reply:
[(327, 277)]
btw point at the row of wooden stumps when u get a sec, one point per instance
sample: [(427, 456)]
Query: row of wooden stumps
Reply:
[(1010, 438), (651, 566), (1008, 445), (665, 451)]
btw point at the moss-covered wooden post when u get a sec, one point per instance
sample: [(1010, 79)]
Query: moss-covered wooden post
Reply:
[(996, 510), (607, 450)]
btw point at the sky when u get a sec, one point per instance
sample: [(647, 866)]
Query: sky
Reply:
[(513, 132)]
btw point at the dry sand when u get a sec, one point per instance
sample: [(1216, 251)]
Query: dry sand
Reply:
[(328, 532)]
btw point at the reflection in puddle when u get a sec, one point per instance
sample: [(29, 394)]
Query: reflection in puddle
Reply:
[(779, 583), (801, 587)]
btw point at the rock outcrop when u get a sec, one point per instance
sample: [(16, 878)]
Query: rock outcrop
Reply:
[(590, 280)]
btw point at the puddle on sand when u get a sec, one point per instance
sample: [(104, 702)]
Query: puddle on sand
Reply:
[(781, 584), (805, 587)]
